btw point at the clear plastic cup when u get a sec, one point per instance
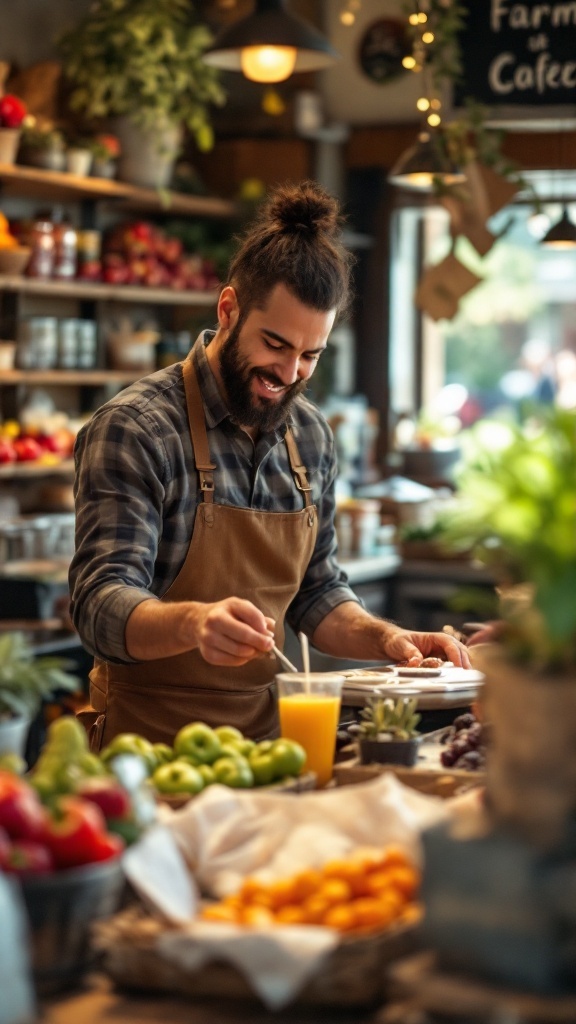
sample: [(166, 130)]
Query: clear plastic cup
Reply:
[(309, 708)]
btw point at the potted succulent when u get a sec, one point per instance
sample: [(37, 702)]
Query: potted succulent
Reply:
[(105, 149), (140, 61), (42, 145), (25, 681), (515, 506), (387, 731)]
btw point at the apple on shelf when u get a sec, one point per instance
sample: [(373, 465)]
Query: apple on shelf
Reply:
[(144, 254)]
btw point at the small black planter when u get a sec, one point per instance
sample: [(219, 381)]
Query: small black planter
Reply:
[(389, 751)]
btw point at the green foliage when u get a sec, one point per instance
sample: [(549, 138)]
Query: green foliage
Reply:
[(143, 58), (389, 719), (26, 680), (516, 507)]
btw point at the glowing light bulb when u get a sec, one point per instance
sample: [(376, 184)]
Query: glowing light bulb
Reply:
[(347, 18), (268, 63), (422, 103), (413, 19), (435, 104), (434, 120), (422, 18), (408, 62), (428, 37)]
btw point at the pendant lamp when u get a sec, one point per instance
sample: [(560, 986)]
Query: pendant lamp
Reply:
[(561, 235), (423, 164), (269, 45)]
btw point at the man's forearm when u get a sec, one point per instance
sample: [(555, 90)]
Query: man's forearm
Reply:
[(349, 631), (157, 629)]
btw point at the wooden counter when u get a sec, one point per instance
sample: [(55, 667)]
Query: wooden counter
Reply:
[(100, 1003)]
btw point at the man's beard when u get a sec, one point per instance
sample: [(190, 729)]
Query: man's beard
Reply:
[(247, 409)]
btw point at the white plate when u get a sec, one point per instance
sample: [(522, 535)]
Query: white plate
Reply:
[(451, 678)]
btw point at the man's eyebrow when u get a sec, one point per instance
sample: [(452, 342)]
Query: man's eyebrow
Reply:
[(284, 341)]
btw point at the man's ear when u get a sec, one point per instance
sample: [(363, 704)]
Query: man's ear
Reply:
[(228, 311)]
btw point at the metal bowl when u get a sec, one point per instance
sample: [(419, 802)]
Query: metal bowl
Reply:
[(62, 907)]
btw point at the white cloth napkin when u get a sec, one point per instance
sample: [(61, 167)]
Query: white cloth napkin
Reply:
[(223, 834)]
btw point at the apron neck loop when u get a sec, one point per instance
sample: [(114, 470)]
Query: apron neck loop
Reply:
[(195, 406), (298, 469)]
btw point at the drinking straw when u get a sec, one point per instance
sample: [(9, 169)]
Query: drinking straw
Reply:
[(305, 659)]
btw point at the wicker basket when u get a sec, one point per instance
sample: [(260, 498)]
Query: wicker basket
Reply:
[(353, 974)]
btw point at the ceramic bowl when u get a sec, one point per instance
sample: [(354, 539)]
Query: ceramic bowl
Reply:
[(14, 261)]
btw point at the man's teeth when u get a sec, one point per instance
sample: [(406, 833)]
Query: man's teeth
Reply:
[(271, 387)]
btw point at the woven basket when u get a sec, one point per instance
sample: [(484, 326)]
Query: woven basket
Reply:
[(353, 974)]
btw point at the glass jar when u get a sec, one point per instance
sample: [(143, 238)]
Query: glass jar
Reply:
[(41, 238), (89, 264), (65, 247)]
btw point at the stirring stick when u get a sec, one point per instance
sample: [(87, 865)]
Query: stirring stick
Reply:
[(282, 657), (305, 659)]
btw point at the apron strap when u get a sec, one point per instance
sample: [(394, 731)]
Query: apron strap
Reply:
[(298, 469), (195, 406)]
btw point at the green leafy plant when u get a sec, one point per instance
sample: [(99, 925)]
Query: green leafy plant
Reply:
[(515, 505), (26, 680), (143, 59), (45, 137), (387, 719)]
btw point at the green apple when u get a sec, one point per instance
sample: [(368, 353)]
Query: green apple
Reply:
[(177, 777), (130, 743), (234, 772), (288, 757), (163, 753), (198, 740), (228, 734), (207, 773), (244, 746), (262, 767)]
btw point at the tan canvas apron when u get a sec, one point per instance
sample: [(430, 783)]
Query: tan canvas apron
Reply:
[(260, 556)]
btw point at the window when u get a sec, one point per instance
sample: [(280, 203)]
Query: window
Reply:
[(513, 338)]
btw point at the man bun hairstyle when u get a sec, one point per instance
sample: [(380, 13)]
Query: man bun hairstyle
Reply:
[(296, 240)]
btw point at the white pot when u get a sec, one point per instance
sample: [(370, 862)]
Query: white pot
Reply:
[(13, 735), (79, 161), (147, 154)]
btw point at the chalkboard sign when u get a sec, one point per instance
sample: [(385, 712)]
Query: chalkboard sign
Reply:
[(519, 54)]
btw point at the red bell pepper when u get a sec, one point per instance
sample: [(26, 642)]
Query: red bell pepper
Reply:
[(76, 833), (21, 812), (25, 857)]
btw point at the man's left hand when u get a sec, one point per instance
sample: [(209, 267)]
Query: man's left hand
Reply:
[(411, 647)]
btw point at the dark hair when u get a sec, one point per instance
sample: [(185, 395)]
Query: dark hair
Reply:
[(296, 241)]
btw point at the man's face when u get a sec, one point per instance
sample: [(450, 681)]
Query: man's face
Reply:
[(266, 361)]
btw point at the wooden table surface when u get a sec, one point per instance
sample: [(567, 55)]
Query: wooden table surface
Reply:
[(100, 1003)]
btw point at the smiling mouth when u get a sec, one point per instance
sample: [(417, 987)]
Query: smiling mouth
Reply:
[(274, 389)]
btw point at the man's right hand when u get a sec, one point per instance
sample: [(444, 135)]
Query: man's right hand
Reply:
[(233, 632), (228, 632)]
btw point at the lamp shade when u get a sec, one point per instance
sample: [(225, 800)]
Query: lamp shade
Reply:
[(561, 235), (423, 164), (269, 27)]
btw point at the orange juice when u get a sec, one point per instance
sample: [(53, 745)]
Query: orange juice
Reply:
[(312, 720)]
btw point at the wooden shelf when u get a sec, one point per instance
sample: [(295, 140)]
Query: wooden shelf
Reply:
[(31, 470), (105, 292), (32, 182), (73, 377)]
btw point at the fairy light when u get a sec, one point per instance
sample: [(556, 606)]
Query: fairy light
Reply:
[(423, 104), (348, 13), (434, 120), (409, 63), (428, 37)]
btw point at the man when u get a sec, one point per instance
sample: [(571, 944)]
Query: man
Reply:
[(205, 503)]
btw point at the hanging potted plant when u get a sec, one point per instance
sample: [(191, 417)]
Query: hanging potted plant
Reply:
[(515, 506), (25, 681), (140, 62), (387, 731)]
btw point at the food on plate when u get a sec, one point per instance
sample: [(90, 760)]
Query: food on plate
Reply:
[(432, 663), (465, 744), (371, 890)]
